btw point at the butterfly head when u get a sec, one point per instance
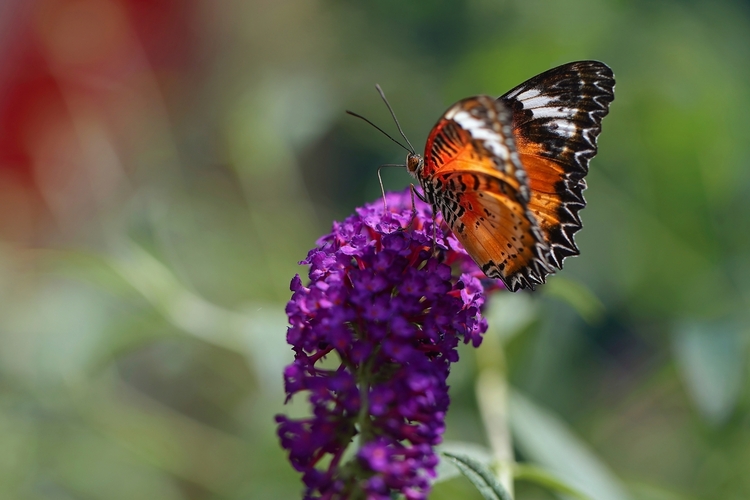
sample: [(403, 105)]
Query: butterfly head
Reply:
[(414, 164)]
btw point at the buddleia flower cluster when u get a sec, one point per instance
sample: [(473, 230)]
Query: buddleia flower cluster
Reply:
[(374, 332)]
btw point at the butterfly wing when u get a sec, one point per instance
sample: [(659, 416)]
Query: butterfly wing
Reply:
[(557, 118), (498, 232), (472, 174)]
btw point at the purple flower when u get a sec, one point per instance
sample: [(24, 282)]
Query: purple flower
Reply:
[(374, 334)]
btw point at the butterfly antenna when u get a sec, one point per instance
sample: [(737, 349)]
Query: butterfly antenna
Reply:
[(381, 130), (382, 94)]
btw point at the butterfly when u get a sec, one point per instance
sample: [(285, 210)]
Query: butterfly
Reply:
[(508, 174)]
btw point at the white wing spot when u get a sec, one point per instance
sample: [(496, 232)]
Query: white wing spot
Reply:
[(536, 101), (554, 112), (563, 128), (528, 94), (479, 130)]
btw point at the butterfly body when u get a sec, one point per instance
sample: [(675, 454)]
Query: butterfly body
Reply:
[(507, 174)]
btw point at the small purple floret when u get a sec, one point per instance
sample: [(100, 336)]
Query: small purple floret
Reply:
[(374, 334)]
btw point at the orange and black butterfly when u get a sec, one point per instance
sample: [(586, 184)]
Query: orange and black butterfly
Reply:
[(508, 173)]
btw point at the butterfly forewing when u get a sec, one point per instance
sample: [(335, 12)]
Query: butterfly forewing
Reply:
[(557, 118), (473, 174)]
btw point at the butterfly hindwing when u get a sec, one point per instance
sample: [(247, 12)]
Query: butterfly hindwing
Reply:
[(556, 120), (495, 228)]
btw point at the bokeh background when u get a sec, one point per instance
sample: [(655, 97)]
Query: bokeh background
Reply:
[(164, 165)]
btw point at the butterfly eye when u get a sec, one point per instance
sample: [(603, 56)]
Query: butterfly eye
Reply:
[(413, 161)]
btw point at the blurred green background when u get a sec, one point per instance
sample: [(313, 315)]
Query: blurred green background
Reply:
[(165, 164)]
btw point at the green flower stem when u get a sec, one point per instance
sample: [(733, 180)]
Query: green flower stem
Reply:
[(492, 396)]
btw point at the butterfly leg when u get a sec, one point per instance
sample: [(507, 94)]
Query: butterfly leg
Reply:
[(382, 189), (434, 216), (434, 233), (414, 205), (380, 180), (414, 215), (420, 196)]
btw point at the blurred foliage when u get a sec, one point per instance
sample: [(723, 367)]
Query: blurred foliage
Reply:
[(164, 166)]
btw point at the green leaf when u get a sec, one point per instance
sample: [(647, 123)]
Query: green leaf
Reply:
[(544, 438), (446, 470), (578, 296), (711, 357), (509, 314), (646, 491), (546, 479), (480, 476)]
